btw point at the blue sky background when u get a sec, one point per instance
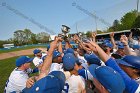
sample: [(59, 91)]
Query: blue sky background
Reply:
[(53, 13)]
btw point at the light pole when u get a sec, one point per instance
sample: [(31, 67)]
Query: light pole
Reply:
[(95, 20), (77, 28), (137, 7)]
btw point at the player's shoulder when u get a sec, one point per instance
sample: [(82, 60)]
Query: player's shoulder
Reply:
[(18, 73), (18, 76), (36, 59), (75, 78)]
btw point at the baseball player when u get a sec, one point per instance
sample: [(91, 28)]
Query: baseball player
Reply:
[(56, 61), (75, 83), (17, 80), (39, 57)]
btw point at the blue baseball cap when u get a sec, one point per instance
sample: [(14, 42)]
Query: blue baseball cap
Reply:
[(106, 41), (133, 61), (120, 61), (92, 68), (136, 46), (56, 54), (22, 60), (69, 61), (92, 59), (110, 79), (36, 51), (120, 45), (69, 50), (53, 83), (108, 45)]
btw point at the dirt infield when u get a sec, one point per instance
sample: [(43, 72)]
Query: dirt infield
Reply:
[(18, 53)]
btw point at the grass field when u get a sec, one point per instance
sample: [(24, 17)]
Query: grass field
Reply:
[(6, 67), (23, 48)]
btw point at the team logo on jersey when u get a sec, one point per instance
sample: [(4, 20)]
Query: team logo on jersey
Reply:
[(37, 88)]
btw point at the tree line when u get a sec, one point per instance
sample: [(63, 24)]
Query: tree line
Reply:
[(128, 21), (25, 37)]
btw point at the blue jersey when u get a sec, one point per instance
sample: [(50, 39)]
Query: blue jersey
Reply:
[(85, 74), (131, 85)]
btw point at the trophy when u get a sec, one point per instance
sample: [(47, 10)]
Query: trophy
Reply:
[(65, 29)]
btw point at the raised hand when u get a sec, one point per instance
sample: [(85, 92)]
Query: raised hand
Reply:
[(94, 34), (112, 34), (124, 39), (75, 38), (54, 44), (91, 47)]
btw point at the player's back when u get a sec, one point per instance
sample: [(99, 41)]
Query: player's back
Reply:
[(76, 84), (16, 81)]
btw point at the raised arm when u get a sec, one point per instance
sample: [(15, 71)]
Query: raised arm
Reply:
[(94, 36), (130, 37), (127, 49), (60, 47), (82, 45), (48, 60), (112, 40)]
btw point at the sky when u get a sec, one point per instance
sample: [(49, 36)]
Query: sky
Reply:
[(49, 15)]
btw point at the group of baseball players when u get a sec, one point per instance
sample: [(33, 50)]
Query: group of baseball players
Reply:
[(86, 67)]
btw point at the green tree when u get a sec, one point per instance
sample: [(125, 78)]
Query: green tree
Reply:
[(19, 37), (89, 34), (116, 25), (111, 29), (137, 23), (22, 37), (33, 39), (42, 37), (27, 36), (99, 32), (128, 20)]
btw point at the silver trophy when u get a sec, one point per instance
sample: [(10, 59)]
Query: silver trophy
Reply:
[(65, 29)]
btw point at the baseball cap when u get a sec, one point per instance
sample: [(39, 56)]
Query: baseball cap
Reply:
[(56, 54), (36, 51), (53, 83), (106, 41), (120, 61), (110, 79), (92, 68), (69, 61), (22, 60), (69, 50), (136, 47), (133, 61), (120, 45), (109, 45), (92, 59)]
